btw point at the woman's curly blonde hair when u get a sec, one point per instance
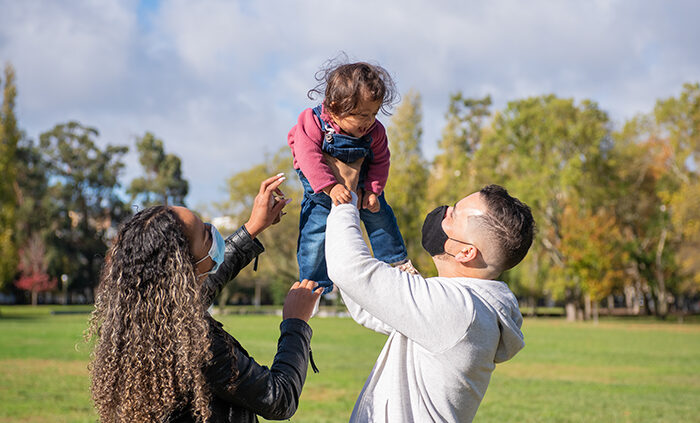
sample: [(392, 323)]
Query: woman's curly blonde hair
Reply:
[(149, 325)]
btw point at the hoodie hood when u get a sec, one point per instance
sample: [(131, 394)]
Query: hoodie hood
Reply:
[(499, 297)]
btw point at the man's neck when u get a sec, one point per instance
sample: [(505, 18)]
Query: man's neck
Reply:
[(450, 269)]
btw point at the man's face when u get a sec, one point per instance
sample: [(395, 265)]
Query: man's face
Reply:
[(456, 221)]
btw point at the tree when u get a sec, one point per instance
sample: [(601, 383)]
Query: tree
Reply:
[(659, 209), (408, 175), (9, 136), (33, 265), (686, 219), (593, 245), (36, 211), (163, 182), (551, 153), (278, 267), (38, 214), (453, 173), (83, 188), (679, 120)]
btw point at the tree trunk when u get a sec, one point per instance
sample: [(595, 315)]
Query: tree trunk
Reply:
[(587, 307), (570, 311), (595, 312), (258, 294), (639, 296), (533, 306), (611, 305), (629, 298), (662, 303), (651, 306), (35, 296)]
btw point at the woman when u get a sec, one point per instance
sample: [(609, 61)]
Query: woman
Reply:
[(159, 356)]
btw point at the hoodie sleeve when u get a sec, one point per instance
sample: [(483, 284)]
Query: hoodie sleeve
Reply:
[(431, 312), (363, 318)]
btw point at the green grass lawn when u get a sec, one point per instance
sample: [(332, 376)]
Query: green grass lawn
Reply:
[(616, 371)]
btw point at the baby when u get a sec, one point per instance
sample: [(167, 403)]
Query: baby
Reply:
[(339, 147)]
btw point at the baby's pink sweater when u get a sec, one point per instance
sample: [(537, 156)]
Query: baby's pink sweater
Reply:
[(306, 139)]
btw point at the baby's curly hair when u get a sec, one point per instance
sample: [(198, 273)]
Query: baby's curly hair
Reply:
[(345, 85), (149, 325)]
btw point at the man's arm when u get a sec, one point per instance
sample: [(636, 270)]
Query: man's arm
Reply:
[(362, 317), (435, 313)]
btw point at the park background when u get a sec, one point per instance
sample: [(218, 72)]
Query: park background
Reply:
[(588, 112)]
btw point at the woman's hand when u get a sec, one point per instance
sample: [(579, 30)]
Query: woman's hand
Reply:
[(268, 205), (301, 300)]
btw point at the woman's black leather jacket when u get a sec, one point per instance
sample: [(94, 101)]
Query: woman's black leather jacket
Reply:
[(241, 389)]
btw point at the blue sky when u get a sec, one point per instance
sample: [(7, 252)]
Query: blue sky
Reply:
[(222, 82)]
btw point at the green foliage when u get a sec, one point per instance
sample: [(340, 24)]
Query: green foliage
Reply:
[(679, 119), (658, 202), (454, 174), (617, 212), (549, 152), (593, 245), (9, 137), (277, 268), (88, 206), (36, 212), (163, 182), (408, 175)]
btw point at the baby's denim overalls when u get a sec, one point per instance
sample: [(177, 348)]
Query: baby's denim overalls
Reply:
[(384, 236)]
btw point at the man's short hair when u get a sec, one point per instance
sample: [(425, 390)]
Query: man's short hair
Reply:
[(508, 224)]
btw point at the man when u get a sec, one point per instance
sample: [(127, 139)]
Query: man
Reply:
[(445, 333)]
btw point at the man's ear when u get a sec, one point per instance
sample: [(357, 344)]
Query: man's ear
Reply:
[(467, 254)]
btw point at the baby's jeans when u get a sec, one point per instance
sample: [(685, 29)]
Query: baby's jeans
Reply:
[(382, 229)]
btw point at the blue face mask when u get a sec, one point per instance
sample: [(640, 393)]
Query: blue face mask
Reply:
[(216, 252)]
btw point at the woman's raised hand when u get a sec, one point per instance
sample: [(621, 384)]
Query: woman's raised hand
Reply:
[(268, 205), (301, 300)]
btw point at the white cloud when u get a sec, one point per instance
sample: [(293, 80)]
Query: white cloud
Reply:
[(222, 82), (66, 55)]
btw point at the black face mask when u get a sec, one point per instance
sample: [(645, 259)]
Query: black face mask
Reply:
[(433, 236)]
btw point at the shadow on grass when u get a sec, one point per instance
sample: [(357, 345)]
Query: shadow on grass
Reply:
[(27, 312), (6, 317)]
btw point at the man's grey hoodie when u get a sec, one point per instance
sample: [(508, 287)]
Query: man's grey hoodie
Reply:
[(445, 334)]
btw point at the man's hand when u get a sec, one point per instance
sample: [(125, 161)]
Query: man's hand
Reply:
[(370, 201), (338, 193), (301, 300)]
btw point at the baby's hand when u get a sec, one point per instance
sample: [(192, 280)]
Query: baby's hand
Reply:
[(340, 195), (370, 201)]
